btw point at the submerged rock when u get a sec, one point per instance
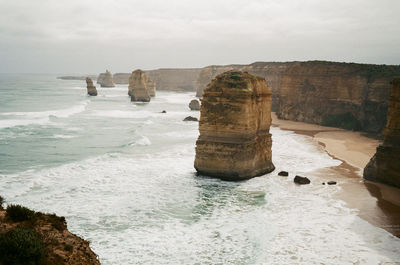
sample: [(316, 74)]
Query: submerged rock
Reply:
[(384, 166), (234, 141), (194, 105), (301, 180), (164, 111), (91, 89), (331, 182), (138, 87), (283, 173), (190, 118), (105, 79)]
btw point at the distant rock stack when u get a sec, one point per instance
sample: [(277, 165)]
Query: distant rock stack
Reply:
[(105, 79), (151, 86), (138, 87), (384, 166), (235, 117), (194, 105), (91, 89)]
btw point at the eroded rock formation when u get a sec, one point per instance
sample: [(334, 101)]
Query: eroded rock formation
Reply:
[(235, 118), (91, 89), (194, 104), (385, 164), (151, 86), (346, 95), (138, 86), (105, 79)]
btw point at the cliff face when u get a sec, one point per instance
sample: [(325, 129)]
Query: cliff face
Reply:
[(91, 89), (350, 96), (151, 86), (137, 86), (385, 164), (28, 237), (346, 95), (105, 79), (235, 117), (167, 79)]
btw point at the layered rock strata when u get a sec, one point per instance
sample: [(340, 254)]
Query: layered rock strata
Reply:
[(151, 86), (235, 117), (105, 79), (91, 89), (138, 86), (385, 164), (346, 95)]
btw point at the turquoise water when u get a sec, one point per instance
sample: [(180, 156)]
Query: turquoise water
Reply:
[(122, 174)]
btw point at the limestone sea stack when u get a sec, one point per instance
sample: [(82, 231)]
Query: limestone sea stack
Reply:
[(384, 166), (138, 87), (106, 79), (91, 89), (151, 86), (235, 117)]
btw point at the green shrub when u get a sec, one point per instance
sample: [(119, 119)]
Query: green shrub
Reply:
[(21, 246), (18, 213)]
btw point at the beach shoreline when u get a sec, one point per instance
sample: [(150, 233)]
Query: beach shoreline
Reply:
[(377, 203)]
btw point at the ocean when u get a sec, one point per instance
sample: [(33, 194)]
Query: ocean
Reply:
[(122, 174)]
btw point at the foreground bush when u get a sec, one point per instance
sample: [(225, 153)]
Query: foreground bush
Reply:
[(18, 213), (21, 246)]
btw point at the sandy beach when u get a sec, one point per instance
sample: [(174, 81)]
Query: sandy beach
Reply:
[(377, 203)]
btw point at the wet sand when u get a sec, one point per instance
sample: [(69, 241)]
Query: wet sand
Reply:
[(377, 203)]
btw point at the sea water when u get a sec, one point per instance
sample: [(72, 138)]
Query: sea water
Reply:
[(122, 174)]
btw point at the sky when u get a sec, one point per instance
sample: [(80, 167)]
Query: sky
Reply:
[(89, 36)]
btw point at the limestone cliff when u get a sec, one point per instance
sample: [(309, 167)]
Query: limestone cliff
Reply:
[(235, 118), (28, 237), (385, 164), (91, 89), (137, 86), (346, 95), (167, 79), (105, 79)]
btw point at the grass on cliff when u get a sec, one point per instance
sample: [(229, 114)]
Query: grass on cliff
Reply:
[(21, 245), (18, 213)]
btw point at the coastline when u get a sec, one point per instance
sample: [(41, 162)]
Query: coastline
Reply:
[(377, 203)]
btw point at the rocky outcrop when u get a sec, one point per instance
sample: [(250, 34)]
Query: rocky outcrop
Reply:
[(235, 118), (194, 104), (167, 79), (346, 95), (385, 164), (190, 118), (28, 237), (137, 86), (301, 180), (91, 89), (151, 86), (105, 79)]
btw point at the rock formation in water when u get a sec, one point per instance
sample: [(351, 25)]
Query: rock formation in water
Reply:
[(190, 118), (151, 86), (167, 79), (385, 164), (28, 237), (137, 86), (91, 89), (194, 104), (235, 118), (347, 95), (105, 79)]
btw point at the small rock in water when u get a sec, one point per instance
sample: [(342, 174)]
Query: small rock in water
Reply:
[(283, 173), (190, 118), (331, 182), (164, 111), (194, 105), (301, 180)]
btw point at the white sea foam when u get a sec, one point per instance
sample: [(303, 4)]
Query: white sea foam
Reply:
[(63, 136), (40, 117), (142, 141)]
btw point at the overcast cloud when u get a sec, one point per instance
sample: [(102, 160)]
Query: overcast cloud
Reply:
[(88, 36)]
